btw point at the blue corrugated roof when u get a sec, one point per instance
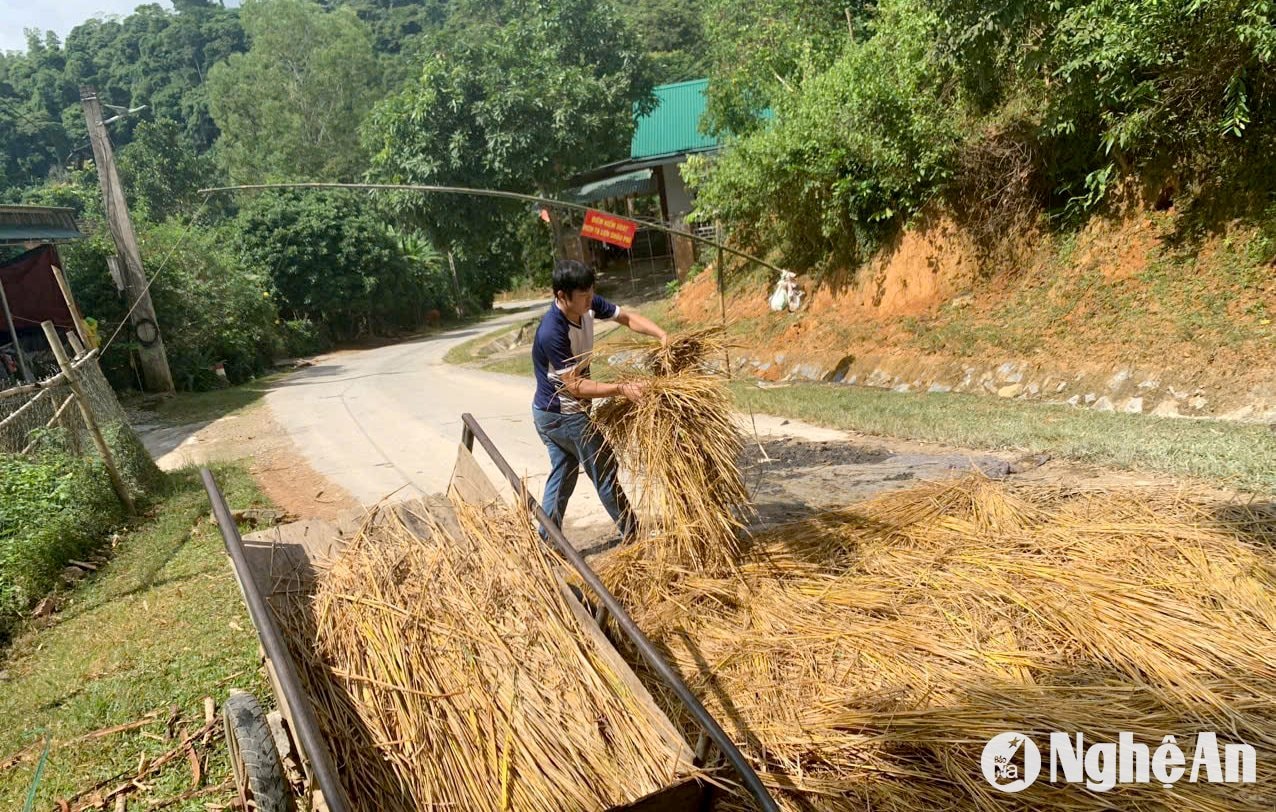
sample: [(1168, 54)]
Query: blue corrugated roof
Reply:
[(673, 127)]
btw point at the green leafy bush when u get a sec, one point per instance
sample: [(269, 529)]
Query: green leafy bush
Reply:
[(211, 306), (848, 158), (332, 261), (1124, 85), (53, 507), (301, 337)]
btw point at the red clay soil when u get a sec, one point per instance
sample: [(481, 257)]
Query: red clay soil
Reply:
[(1115, 294)]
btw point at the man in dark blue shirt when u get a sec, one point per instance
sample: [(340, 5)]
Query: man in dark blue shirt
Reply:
[(564, 389)]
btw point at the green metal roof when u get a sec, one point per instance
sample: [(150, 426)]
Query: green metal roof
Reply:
[(642, 182), (673, 127), (19, 224)]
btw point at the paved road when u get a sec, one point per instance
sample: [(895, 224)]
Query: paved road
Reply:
[(387, 422)]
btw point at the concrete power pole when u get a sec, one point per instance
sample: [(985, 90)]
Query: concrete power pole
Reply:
[(155, 372)]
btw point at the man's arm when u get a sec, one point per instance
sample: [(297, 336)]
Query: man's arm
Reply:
[(585, 388), (641, 324)]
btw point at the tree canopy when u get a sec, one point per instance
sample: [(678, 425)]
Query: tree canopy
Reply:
[(517, 99), (290, 107)]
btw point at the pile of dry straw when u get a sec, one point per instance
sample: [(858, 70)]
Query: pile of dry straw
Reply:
[(681, 441), (449, 673), (863, 657)]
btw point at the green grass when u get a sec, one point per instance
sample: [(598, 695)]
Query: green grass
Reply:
[(520, 364), (469, 351), (1232, 454), (199, 407), (53, 507), (161, 624)]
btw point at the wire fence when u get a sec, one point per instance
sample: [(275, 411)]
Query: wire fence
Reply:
[(45, 417)]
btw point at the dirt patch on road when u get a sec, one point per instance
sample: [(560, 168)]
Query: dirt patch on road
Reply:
[(252, 436)]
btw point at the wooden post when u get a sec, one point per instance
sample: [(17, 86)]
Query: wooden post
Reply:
[(154, 361), (121, 490), (76, 315), (76, 346), (13, 333)]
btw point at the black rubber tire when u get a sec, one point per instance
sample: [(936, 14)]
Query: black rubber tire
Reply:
[(259, 775)]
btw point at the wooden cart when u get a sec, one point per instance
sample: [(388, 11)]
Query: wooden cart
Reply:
[(273, 752)]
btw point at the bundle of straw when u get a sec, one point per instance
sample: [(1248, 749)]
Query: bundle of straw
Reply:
[(449, 673), (863, 658), (681, 443)]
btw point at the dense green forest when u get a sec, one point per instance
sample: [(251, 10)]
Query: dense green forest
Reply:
[(843, 121)]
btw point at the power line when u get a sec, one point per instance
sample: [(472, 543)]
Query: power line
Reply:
[(464, 190)]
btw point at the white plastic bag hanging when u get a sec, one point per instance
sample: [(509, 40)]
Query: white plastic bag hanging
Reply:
[(780, 299), (786, 295)]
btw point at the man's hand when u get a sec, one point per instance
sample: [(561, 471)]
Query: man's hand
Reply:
[(633, 391)]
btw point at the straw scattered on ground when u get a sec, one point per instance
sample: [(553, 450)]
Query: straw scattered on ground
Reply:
[(449, 673), (863, 657)]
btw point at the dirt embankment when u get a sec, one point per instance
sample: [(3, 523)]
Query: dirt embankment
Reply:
[(1118, 316)]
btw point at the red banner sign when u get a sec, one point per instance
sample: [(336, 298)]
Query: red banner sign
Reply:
[(608, 228)]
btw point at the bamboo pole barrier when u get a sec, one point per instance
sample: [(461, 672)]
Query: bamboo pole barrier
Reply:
[(77, 346), (23, 408), (90, 421), (76, 315), (28, 388)]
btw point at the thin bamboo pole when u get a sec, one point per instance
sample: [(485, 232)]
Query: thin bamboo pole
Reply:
[(27, 389), (24, 407), (76, 315), (90, 421), (465, 190)]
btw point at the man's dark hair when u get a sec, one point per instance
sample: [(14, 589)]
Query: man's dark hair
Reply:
[(571, 276)]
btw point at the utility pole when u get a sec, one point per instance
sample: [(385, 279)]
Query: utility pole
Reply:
[(155, 372)]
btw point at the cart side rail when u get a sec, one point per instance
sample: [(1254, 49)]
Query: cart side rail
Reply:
[(310, 738), (472, 431)]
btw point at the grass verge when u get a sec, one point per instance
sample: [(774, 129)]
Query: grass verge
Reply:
[(1231, 454), (520, 364), (161, 625), (471, 351), (199, 407)]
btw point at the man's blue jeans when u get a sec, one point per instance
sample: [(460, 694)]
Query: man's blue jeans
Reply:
[(573, 445)]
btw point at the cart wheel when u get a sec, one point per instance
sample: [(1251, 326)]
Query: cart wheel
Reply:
[(259, 775)]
